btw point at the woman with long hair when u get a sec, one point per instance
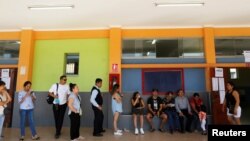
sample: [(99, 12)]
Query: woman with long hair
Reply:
[(232, 102), (116, 107), (137, 109)]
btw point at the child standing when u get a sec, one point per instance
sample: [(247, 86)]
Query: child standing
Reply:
[(116, 108), (203, 117)]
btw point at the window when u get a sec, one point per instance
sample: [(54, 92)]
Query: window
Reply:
[(162, 79), (9, 50), (162, 48), (72, 63), (233, 46)]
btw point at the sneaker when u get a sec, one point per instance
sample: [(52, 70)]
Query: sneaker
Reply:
[(136, 131), (152, 130), (142, 131), (80, 138), (117, 133), (35, 137), (120, 131)]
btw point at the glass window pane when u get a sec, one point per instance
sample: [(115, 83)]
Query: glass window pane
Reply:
[(241, 45), (167, 48), (224, 47), (149, 48), (9, 49), (192, 47), (72, 64), (128, 49)]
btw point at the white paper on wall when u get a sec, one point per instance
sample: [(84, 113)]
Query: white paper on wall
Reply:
[(218, 72), (222, 96), (5, 73), (7, 82), (221, 84), (215, 84)]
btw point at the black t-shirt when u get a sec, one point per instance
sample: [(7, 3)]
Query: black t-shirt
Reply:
[(166, 102), (154, 103)]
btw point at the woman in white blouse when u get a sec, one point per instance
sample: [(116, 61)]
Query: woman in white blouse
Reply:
[(26, 99)]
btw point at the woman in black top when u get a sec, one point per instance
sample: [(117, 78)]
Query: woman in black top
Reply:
[(137, 109), (232, 102)]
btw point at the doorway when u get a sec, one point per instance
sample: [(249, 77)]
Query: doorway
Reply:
[(10, 78)]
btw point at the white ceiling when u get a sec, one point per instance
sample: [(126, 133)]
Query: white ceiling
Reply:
[(95, 14)]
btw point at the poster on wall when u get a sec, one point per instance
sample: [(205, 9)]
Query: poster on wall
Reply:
[(218, 72), (215, 84), (222, 96), (221, 84), (7, 82), (5, 73)]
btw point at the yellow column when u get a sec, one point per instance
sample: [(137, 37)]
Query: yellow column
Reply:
[(26, 55), (209, 49), (115, 50)]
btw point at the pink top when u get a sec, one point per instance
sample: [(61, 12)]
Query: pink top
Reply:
[(202, 115)]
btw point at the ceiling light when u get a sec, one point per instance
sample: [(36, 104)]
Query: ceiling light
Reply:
[(179, 4), (50, 7)]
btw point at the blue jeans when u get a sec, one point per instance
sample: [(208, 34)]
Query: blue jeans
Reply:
[(173, 120), (23, 114), (1, 124)]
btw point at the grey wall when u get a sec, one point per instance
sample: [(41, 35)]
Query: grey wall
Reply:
[(44, 116), (43, 113)]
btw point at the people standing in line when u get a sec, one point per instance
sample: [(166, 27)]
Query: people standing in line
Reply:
[(203, 117), (232, 102), (4, 100), (155, 109), (183, 108), (26, 99), (97, 101), (170, 110), (195, 103), (60, 92), (137, 109), (116, 108), (75, 112)]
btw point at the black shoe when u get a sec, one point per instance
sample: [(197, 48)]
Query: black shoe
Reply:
[(171, 131), (161, 130), (103, 131), (152, 130), (98, 135), (57, 136)]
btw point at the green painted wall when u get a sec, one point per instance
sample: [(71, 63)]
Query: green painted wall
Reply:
[(49, 62)]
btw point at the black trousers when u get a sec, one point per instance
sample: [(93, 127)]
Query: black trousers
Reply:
[(189, 118), (74, 125), (59, 112), (98, 120)]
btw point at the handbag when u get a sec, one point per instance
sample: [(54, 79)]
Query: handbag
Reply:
[(50, 98)]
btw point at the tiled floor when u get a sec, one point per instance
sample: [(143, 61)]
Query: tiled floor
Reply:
[(47, 134)]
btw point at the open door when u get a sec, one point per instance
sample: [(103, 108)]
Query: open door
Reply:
[(218, 116), (11, 77)]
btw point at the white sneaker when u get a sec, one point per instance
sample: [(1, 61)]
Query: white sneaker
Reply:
[(136, 131), (80, 138), (142, 131), (120, 131), (117, 133)]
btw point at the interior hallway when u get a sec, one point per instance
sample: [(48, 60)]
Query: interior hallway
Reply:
[(47, 134)]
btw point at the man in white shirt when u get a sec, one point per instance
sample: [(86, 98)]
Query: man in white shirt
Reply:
[(60, 92), (97, 101)]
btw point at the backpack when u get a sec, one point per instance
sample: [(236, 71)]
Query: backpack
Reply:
[(49, 98)]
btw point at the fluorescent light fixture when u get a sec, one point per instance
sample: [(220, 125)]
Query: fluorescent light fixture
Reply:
[(50, 7), (179, 4), (153, 42)]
